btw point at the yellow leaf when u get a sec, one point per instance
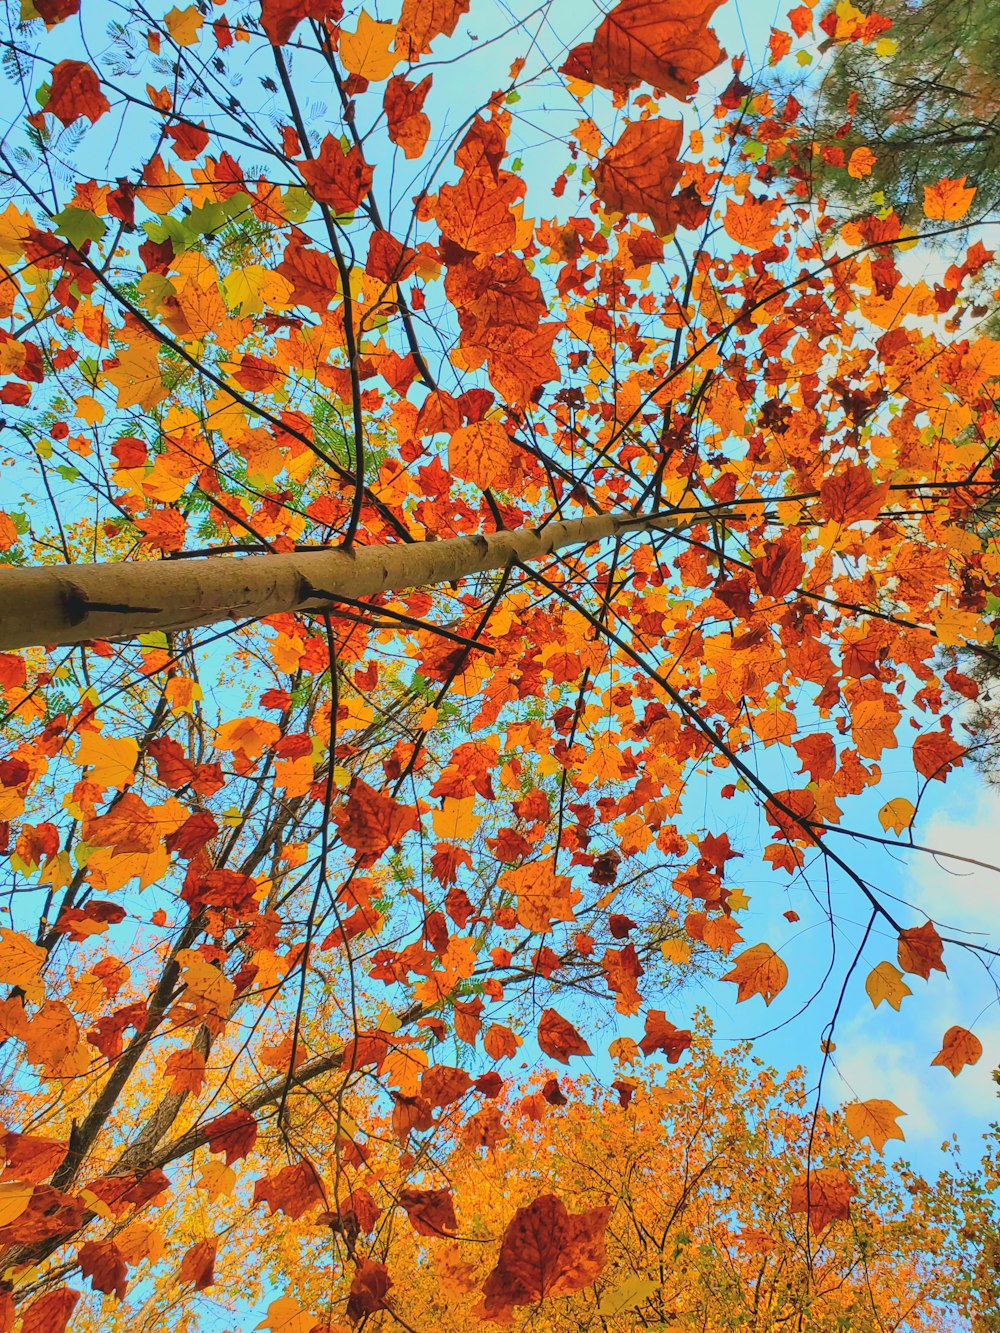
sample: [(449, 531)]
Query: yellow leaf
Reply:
[(14, 1199), (110, 759), (875, 1120), (897, 814), (366, 52), (456, 820), (182, 694), (184, 24), (633, 1291), (675, 951), (217, 1179), (89, 409), (21, 963), (285, 1315), (738, 900), (885, 982), (625, 1050)]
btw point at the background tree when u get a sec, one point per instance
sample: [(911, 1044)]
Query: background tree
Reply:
[(904, 93), (701, 1172), (613, 538)]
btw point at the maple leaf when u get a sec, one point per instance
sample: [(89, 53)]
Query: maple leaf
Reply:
[(920, 951), (851, 495), (751, 225), (662, 1035), (367, 51), (639, 172), (665, 43), (780, 569), (337, 177), (369, 1289), (423, 20), (198, 1265), (758, 971), (234, 1134), (31, 1158), (875, 1120), (293, 1190), (280, 18), (948, 200), (409, 127), (102, 1261), (824, 1195), (75, 92), (431, 1212), (56, 11), (546, 1251), (50, 1312), (959, 1048), (935, 754), (371, 822), (559, 1038), (885, 982)]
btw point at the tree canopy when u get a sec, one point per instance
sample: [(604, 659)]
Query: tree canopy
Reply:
[(474, 517)]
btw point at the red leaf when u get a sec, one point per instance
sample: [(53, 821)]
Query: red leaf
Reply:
[(51, 1312), (431, 1212), (546, 1251), (639, 172), (779, 571), (103, 1262), (76, 92), (560, 1039), (935, 754), (55, 11), (234, 1134), (372, 822), (368, 1290), (336, 178), (409, 127), (825, 1195), (198, 1265), (661, 1035), (293, 1190), (851, 496), (280, 18)]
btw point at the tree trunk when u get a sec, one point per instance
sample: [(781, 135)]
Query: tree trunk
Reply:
[(64, 604)]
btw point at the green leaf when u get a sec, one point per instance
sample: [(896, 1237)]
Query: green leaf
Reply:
[(79, 225)]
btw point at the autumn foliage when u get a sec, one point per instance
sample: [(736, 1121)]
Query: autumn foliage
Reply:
[(294, 898)]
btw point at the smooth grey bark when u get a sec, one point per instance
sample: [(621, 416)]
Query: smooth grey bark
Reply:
[(66, 604)]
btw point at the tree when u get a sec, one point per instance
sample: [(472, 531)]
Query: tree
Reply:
[(907, 93), (662, 532), (694, 1174)]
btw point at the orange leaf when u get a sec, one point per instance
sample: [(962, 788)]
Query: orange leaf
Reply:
[(293, 1191), (948, 200), (825, 1195), (338, 178), (875, 1120), (920, 951), (665, 43), (959, 1048), (372, 822), (423, 20), (751, 224), (198, 1265), (758, 971), (639, 172), (431, 1212), (560, 1039)]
